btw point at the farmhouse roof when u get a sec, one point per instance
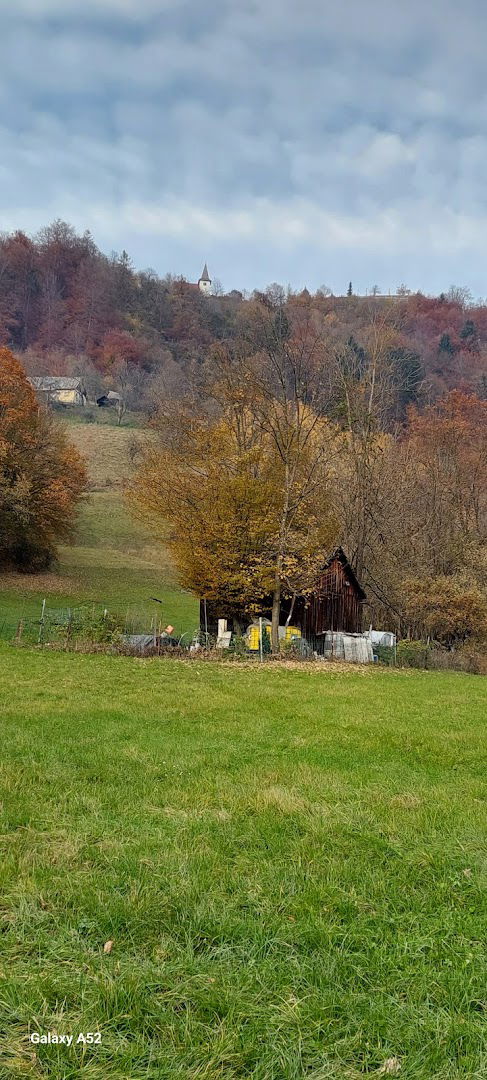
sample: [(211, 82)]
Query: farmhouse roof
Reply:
[(56, 382)]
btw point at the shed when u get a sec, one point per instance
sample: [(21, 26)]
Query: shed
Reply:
[(108, 400), (335, 604), (60, 389)]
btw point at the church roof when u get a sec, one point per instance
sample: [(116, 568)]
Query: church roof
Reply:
[(205, 275)]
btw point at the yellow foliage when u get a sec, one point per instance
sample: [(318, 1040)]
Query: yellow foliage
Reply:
[(222, 490)]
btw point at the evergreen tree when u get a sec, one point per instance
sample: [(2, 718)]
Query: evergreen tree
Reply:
[(468, 330), (446, 345)]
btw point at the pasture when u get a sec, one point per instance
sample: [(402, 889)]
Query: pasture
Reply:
[(113, 561), (290, 865)]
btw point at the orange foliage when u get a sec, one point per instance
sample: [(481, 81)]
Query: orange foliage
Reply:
[(41, 474)]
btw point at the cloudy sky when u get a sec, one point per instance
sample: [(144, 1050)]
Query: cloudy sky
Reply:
[(307, 143)]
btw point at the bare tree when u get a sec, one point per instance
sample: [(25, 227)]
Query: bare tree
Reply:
[(460, 294), (366, 376), (284, 372), (121, 408)]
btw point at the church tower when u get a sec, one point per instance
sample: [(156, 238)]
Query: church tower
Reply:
[(204, 283)]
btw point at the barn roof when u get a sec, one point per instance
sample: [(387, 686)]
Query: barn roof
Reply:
[(342, 558), (56, 382)]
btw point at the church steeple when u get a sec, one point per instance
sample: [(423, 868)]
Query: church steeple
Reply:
[(204, 282)]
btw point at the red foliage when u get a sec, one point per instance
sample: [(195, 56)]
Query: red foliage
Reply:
[(58, 292)]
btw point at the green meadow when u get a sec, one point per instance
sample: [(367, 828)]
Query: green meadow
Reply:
[(288, 861), (113, 561), (290, 864)]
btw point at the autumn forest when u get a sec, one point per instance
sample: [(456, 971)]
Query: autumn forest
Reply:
[(65, 306), (283, 424)]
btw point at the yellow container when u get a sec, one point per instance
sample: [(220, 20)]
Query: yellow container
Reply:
[(253, 636), (292, 632)]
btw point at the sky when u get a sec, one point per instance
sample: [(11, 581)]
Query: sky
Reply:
[(308, 143)]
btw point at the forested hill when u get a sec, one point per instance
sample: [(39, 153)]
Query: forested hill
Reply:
[(67, 308)]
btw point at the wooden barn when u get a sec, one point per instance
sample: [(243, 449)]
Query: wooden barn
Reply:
[(336, 603)]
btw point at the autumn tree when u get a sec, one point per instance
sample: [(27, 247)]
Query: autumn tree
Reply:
[(449, 609), (207, 481), (446, 448), (19, 289), (428, 516), (365, 376), (284, 363), (41, 474), (243, 477)]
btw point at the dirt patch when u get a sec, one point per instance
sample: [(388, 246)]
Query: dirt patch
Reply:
[(45, 582), (407, 801)]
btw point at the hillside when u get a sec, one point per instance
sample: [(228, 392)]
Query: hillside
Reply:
[(107, 448), (113, 561), (66, 308)]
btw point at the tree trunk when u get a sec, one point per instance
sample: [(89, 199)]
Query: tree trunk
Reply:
[(291, 609), (276, 610)]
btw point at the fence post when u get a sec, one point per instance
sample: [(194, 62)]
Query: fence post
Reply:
[(41, 624), (261, 650)]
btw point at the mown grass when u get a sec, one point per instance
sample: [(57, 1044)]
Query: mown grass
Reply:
[(114, 563), (291, 867), (113, 560)]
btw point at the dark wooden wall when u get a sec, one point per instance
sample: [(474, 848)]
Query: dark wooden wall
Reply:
[(336, 604)]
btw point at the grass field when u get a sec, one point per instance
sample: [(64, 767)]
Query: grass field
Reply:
[(113, 561), (291, 867)]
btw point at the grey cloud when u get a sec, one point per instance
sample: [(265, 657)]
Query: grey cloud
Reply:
[(291, 131)]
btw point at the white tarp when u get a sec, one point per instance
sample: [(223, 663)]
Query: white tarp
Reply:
[(356, 648), (382, 637)]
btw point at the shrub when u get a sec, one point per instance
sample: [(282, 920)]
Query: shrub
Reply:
[(414, 654), (450, 609), (385, 654)]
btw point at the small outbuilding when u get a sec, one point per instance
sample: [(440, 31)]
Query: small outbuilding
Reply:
[(60, 389), (109, 400), (335, 604)]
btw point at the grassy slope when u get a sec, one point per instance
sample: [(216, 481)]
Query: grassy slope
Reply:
[(291, 867), (113, 561)]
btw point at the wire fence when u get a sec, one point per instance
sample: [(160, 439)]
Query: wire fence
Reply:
[(139, 629), (88, 622)]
